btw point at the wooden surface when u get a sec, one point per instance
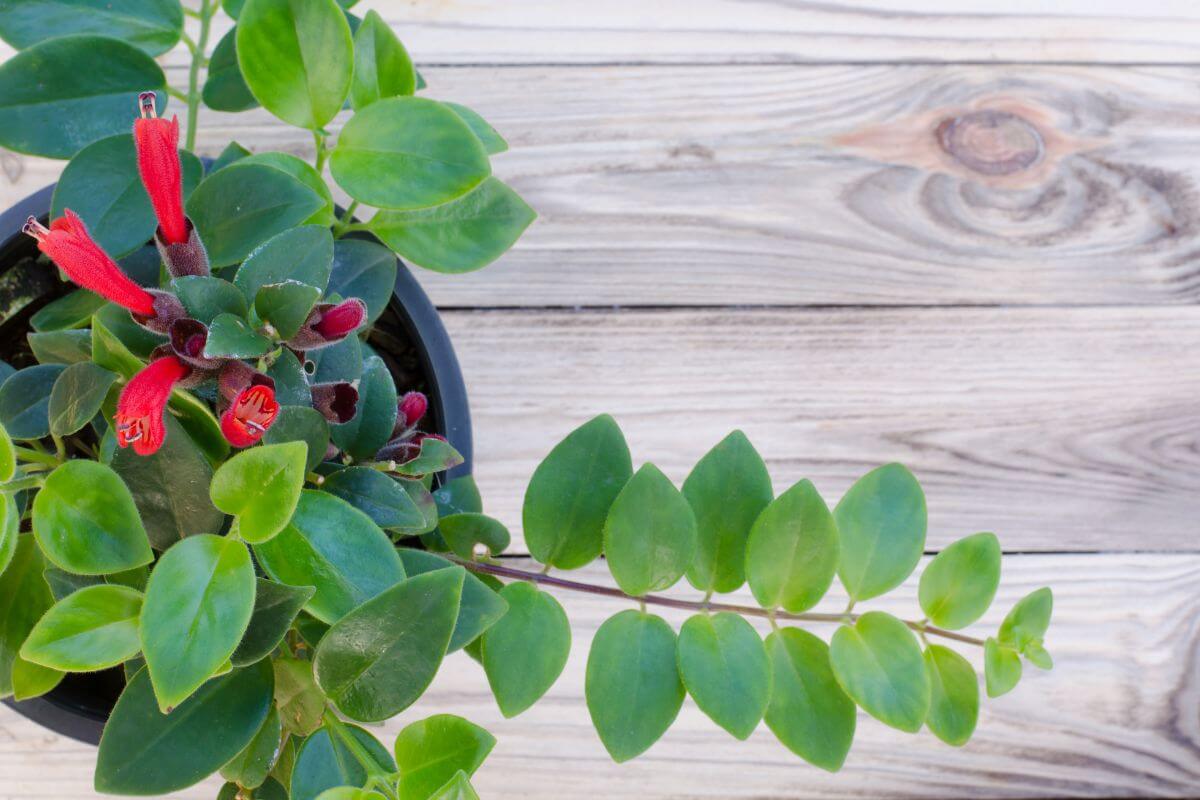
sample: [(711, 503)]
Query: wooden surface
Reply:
[(965, 236)]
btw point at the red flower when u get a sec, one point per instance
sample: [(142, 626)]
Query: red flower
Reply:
[(341, 320), (141, 409), (158, 162), (249, 415), (70, 246), (413, 406)]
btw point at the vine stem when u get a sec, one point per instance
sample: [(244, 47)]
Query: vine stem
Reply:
[(35, 456), (346, 220), (193, 95), (691, 605), (375, 774)]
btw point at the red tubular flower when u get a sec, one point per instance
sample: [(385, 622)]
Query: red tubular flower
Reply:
[(157, 143), (70, 246), (142, 406), (412, 407), (249, 415)]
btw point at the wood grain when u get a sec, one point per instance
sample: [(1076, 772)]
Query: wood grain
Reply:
[(1118, 717)]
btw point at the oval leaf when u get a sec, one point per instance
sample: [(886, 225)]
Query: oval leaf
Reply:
[(381, 498), (792, 551), (225, 89), (25, 401), (249, 768), (725, 669), (525, 652), (878, 662), (882, 522), (302, 254), (650, 533), (262, 487), (207, 298), (324, 762), (304, 172), (152, 25), (24, 597), (365, 270), (275, 608), (232, 337), (372, 424), (959, 584), (480, 608), (430, 752), (77, 396), (91, 629), (301, 424), (382, 67), (8, 458), (1001, 668), (464, 531), (954, 697)]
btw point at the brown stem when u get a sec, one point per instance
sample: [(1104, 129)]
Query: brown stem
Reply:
[(691, 605)]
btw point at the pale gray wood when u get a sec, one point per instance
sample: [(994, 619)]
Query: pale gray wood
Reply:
[(1116, 718)]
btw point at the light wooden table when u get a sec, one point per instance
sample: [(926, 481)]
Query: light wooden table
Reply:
[(748, 219)]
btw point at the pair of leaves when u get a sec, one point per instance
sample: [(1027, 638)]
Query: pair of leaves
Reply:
[(1021, 634)]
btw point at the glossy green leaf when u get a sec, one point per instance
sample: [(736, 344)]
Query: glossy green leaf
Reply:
[(10, 522), (207, 298), (232, 153), (365, 270), (262, 487), (61, 347), (137, 339), (882, 521), (959, 584), (1037, 655), (198, 604), (110, 352), (25, 401), (86, 522), (424, 501), (291, 384), (406, 153), (650, 533), (90, 81), (300, 702), (430, 752), (231, 337), (301, 424), (151, 25), (297, 58), (249, 768), (375, 418), (481, 605), (724, 667), (792, 551), (526, 650), (324, 762), (286, 305), (464, 531), (571, 491), (307, 174), (225, 89), (457, 788), (349, 793), (727, 490), (339, 362), (31, 680), (492, 141), (808, 711), (63, 584), (375, 494), (379, 658), (878, 662), (102, 186), (632, 685), (72, 310), (77, 396), (275, 608), (91, 629), (335, 547), (458, 495), (434, 456), (1001, 668), (382, 67), (461, 235), (144, 751), (301, 254), (8, 458), (1028, 620), (24, 597), (237, 208), (954, 695)]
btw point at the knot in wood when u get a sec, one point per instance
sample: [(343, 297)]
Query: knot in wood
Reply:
[(991, 142)]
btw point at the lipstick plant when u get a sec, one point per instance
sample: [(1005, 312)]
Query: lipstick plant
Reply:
[(210, 481)]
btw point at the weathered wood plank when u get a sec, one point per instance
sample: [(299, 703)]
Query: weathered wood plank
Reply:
[(1116, 718), (1059, 429), (821, 185)]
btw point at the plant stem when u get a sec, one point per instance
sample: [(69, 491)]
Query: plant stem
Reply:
[(338, 728), (322, 153), (689, 605), (347, 219), (35, 456), (193, 94)]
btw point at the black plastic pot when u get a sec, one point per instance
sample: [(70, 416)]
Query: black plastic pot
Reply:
[(79, 706)]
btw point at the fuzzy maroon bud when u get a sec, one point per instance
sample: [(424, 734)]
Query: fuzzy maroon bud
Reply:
[(329, 324), (412, 408), (337, 401)]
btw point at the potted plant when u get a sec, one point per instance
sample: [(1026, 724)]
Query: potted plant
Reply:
[(234, 519)]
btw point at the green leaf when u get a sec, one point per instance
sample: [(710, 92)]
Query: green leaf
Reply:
[(372, 424), (207, 298), (571, 491), (959, 584), (239, 207), (72, 310), (1001, 668), (338, 362), (275, 608), (262, 487), (424, 501), (878, 662), (379, 658), (324, 762), (300, 702), (406, 153), (463, 531), (77, 396), (382, 67), (430, 752), (8, 459), (307, 174), (144, 751), (33, 680), (434, 456), (335, 547), (286, 305), (461, 235), (25, 401), (492, 141), (349, 793), (808, 712), (725, 669), (151, 25), (24, 597), (632, 685), (291, 384), (650, 534), (86, 522), (91, 629), (954, 697), (1028, 620), (376, 495), (881, 520), (458, 495), (63, 584), (1037, 655), (457, 788), (61, 347), (170, 488), (365, 270), (225, 89), (301, 424), (10, 522), (297, 58), (231, 337), (102, 186), (792, 551), (232, 153), (90, 82), (110, 352), (727, 490), (301, 254), (481, 606), (198, 604), (526, 650), (249, 768)]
